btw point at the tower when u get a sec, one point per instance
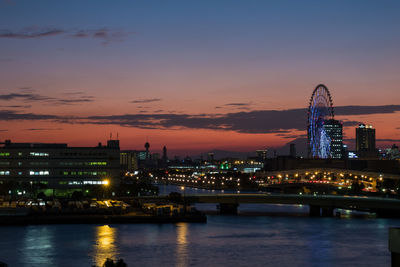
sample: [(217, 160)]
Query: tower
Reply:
[(147, 146), (334, 130), (164, 156), (365, 141), (293, 150)]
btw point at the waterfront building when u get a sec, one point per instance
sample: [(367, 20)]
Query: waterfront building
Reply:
[(365, 141), (334, 131), (129, 159), (262, 154), (58, 165)]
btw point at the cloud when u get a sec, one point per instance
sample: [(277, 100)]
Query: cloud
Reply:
[(104, 34), (141, 101), (280, 122), (30, 33), (17, 106), (31, 97), (74, 93), (366, 110), (43, 129), (237, 104), (8, 115), (85, 99), (259, 121)]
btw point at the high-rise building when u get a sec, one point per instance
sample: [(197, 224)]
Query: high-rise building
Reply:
[(365, 141), (262, 154), (334, 130), (292, 150), (147, 146), (165, 156), (210, 156), (129, 160)]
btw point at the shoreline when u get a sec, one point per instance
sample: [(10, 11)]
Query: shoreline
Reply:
[(100, 219)]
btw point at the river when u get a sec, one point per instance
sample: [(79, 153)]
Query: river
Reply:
[(289, 238)]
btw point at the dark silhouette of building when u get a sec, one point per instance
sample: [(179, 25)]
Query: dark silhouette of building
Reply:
[(261, 154), (293, 150), (147, 147), (210, 157), (165, 156), (365, 141), (129, 160), (334, 130)]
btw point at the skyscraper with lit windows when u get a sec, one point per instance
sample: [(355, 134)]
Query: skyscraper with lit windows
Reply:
[(365, 141), (334, 130)]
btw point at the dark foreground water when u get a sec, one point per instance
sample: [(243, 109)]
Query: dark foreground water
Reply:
[(280, 240)]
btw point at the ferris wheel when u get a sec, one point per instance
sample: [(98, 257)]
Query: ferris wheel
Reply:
[(319, 111)]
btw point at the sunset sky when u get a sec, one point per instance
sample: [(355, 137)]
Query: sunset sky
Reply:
[(195, 75)]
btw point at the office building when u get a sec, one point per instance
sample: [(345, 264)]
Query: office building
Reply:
[(334, 131), (262, 154), (365, 141), (129, 159), (58, 165)]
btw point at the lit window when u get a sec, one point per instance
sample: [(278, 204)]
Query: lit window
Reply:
[(39, 154), (39, 172)]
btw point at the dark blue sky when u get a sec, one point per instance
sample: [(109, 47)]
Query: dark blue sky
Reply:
[(194, 57)]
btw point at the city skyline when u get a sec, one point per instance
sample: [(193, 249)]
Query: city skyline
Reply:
[(232, 76)]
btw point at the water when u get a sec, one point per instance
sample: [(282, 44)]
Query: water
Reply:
[(223, 241)]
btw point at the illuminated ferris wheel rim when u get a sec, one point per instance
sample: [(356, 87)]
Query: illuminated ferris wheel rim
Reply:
[(320, 109), (326, 96)]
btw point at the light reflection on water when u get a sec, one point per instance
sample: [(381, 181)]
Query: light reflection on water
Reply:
[(38, 246), (277, 240), (222, 241), (181, 245), (105, 244)]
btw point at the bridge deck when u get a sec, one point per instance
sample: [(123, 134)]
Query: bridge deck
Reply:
[(344, 202)]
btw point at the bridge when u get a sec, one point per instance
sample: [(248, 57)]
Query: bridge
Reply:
[(331, 171), (320, 205)]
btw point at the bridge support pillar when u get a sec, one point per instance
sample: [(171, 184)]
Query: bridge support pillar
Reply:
[(315, 210), (228, 208), (327, 211), (394, 245)]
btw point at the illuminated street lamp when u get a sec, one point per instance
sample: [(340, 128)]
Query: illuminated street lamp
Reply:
[(106, 183)]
